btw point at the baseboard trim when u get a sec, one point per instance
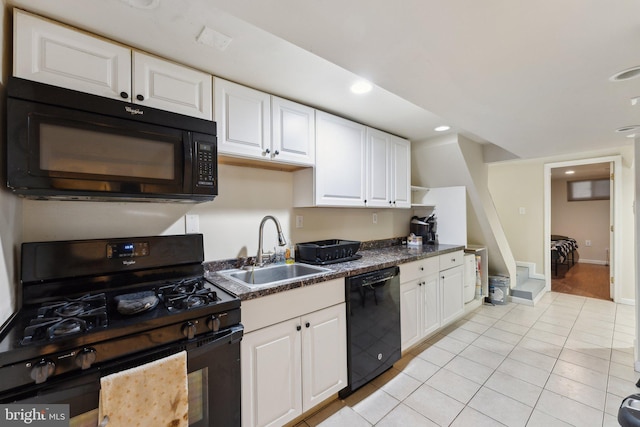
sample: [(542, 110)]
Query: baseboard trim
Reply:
[(626, 301), (592, 261)]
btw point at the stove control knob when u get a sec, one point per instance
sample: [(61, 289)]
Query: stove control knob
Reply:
[(42, 370), (86, 357), (214, 323), (189, 330)]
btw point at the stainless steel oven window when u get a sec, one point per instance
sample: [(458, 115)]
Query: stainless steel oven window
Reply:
[(74, 150)]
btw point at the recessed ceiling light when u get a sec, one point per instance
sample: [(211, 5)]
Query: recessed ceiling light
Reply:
[(442, 128), (628, 128), (143, 4), (361, 86), (570, 172), (626, 74)]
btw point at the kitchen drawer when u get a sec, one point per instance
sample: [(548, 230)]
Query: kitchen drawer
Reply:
[(412, 270), (451, 260)]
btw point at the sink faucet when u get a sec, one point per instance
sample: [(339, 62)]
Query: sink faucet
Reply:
[(281, 240)]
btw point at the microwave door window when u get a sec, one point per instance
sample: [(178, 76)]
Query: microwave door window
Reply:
[(71, 150)]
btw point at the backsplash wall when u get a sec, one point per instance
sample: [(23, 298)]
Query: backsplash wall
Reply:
[(230, 223)]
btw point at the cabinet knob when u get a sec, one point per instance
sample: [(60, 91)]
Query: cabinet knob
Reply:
[(265, 152), (421, 268), (298, 327), (124, 95), (140, 97), (453, 260), (275, 153), (307, 324)]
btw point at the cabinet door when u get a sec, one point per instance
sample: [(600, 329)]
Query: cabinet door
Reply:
[(294, 132), (243, 116), (271, 375), (340, 161), (410, 311), (451, 287), (162, 84), (378, 169), (430, 304), (400, 172), (324, 355), (57, 55)]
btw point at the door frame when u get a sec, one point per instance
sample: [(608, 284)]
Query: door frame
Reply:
[(616, 220)]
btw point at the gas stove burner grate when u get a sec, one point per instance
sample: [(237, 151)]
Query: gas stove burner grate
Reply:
[(187, 294), (67, 317)]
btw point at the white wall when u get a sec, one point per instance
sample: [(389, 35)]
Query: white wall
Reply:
[(453, 160), (520, 183), (581, 220)]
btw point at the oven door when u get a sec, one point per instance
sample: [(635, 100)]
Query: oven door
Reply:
[(213, 365)]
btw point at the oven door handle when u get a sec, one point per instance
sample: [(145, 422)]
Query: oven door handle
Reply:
[(104, 421), (231, 335)]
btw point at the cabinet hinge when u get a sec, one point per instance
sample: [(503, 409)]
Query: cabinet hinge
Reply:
[(611, 228), (612, 176), (611, 279)]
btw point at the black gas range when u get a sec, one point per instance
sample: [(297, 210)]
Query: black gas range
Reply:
[(94, 307)]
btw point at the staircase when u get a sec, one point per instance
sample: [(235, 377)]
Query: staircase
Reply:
[(527, 291)]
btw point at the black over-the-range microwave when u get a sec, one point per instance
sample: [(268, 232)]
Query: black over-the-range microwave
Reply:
[(69, 145)]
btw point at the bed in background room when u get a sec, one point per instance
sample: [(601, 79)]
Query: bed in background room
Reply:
[(563, 251)]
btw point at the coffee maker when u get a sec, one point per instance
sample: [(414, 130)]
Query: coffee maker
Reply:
[(425, 227)]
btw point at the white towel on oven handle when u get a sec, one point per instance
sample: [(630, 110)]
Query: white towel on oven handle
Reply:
[(154, 394)]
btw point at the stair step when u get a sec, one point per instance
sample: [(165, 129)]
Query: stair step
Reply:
[(522, 275), (529, 289)]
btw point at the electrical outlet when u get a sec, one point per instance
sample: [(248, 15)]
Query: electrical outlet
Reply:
[(375, 218), (299, 221), (587, 242), (522, 211), (191, 224)]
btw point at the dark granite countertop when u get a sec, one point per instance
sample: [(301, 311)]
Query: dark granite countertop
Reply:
[(372, 259)]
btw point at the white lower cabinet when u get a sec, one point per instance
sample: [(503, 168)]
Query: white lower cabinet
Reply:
[(451, 286), (419, 309), (431, 296), (293, 365)]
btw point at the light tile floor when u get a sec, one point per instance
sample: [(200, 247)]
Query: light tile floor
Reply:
[(567, 361)]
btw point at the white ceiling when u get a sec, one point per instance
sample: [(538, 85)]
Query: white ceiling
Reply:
[(530, 77)]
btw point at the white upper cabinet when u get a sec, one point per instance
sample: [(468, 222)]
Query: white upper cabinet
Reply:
[(243, 116), (378, 168), (54, 54), (388, 170), (51, 53), (400, 172), (294, 132), (340, 172), (255, 125), (169, 86), (356, 166)]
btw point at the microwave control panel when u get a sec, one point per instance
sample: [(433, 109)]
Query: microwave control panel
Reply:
[(206, 166)]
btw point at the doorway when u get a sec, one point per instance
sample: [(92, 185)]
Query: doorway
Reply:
[(586, 218)]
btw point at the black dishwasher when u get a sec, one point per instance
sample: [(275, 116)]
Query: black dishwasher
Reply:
[(373, 325)]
